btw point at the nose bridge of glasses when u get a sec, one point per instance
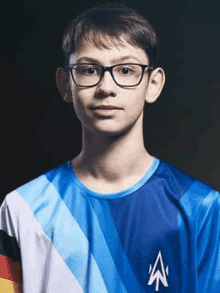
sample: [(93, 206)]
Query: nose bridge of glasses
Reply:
[(107, 69)]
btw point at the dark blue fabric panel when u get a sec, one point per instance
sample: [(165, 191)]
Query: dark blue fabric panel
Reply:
[(147, 222), (9, 246)]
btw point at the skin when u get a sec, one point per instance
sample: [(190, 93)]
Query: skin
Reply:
[(113, 155)]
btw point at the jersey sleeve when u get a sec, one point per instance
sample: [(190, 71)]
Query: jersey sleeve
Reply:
[(10, 255), (208, 244)]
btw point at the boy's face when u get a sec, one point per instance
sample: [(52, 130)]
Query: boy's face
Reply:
[(125, 105)]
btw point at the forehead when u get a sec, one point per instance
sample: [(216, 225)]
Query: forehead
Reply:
[(109, 51)]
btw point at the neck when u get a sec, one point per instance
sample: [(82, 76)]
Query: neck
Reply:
[(112, 158)]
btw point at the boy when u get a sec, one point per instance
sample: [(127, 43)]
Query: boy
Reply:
[(114, 219)]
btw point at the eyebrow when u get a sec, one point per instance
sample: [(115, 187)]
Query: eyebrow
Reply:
[(115, 60)]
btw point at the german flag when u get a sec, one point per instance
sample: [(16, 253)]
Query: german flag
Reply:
[(10, 265)]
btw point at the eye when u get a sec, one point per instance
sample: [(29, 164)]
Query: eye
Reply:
[(86, 70), (126, 70), (90, 70)]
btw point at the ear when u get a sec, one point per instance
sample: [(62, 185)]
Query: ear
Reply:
[(155, 86), (63, 84)]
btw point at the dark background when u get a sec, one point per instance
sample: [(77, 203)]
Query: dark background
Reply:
[(39, 131)]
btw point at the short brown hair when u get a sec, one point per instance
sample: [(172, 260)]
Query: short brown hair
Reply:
[(109, 22)]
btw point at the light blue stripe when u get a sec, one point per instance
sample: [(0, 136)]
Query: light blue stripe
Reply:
[(59, 225), (105, 243), (187, 219), (89, 222), (111, 236)]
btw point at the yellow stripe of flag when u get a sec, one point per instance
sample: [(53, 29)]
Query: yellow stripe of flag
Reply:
[(7, 286)]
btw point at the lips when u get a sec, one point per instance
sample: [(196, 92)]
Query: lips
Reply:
[(105, 111), (105, 107)]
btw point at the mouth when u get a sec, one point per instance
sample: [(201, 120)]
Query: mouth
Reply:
[(105, 111), (105, 107)]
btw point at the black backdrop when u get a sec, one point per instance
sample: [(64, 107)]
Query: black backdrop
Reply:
[(39, 131)]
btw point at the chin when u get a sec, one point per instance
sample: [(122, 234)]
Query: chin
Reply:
[(110, 128), (108, 132), (111, 131)]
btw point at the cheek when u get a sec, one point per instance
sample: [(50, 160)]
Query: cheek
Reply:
[(137, 101), (79, 108), (81, 99)]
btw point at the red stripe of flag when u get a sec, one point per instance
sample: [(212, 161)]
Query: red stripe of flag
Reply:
[(10, 270)]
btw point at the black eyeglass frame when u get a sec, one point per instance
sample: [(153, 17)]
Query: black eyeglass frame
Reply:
[(109, 69)]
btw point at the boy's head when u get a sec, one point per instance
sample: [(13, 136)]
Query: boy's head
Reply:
[(109, 51), (105, 25)]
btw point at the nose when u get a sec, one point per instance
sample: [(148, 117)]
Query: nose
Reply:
[(107, 85)]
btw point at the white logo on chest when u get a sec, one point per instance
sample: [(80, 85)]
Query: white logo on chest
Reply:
[(158, 273)]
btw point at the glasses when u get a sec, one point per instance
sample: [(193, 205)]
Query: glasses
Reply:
[(124, 75)]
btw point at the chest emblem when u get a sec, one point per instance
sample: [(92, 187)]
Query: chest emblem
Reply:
[(158, 273)]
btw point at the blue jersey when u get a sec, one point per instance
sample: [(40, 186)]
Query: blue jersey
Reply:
[(160, 235)]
